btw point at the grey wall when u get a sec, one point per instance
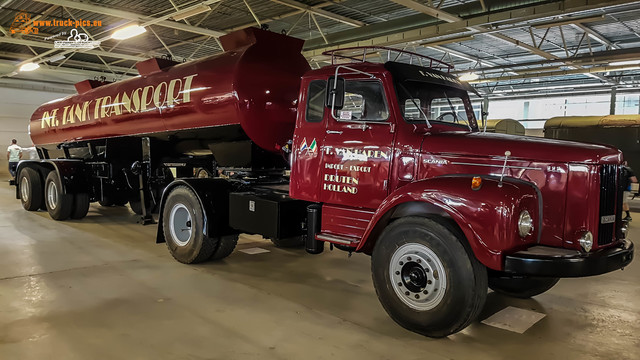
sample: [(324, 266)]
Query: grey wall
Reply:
[(16, 107)]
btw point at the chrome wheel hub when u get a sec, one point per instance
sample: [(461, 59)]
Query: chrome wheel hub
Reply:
[(418, 277), (52, 195), (24, 189), (180, 224)]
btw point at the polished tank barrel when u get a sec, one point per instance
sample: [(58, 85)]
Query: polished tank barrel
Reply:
[(248, 91)]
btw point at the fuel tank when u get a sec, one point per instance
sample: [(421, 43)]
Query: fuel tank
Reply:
[(249, 92)]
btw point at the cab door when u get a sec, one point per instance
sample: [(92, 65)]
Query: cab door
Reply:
[(307, 142), (358, 147)]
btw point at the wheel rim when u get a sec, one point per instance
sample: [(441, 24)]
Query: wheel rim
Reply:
[(417, 276), (180, 224), (52, 195), (24, 189)]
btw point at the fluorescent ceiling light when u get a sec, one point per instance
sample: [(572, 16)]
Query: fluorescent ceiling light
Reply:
[(30, 66), (621, 63), (128, 32), (192, 11), (55, 58), (469, 77)]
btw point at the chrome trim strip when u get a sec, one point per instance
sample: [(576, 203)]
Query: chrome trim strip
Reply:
[(488, 165)]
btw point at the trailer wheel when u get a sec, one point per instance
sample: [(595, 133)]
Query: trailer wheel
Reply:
[(80, 206), (183, 227), (425, 277), (59, 204), (226, 245), (295, 241), (522, 287), (30, 189)]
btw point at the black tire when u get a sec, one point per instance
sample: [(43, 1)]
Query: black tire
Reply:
[(59, 205), (30, 185), (413, 251), (296, 241), (80, 206), (106, 202), (522, 287), (226, 245), (186, 242)]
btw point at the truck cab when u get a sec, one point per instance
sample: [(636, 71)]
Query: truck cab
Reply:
[(400, 168)]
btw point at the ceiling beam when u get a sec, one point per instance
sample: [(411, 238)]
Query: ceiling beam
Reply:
[(441, 14), (431, 11), (542, 74), (50, 45), (320, 12), (509, 16), (161, 21)]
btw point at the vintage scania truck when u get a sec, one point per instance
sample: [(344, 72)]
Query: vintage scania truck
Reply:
[(385, 159)]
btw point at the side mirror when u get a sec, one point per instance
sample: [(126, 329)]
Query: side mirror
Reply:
[(335, 93)]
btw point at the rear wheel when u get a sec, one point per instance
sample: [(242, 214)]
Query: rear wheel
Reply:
[(30, 189), (522, 287), (183, 221), (59, 204), (80, 206), (425, 277)]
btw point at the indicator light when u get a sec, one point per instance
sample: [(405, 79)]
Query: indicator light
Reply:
[(476, 183)]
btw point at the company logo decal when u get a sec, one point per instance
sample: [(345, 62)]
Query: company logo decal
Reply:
[(166, 94), (309, 148)]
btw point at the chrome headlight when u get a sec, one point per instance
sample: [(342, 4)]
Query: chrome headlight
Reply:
[(586, 241), (525, 224)]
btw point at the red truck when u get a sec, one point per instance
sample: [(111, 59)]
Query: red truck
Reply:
[(384, 159)]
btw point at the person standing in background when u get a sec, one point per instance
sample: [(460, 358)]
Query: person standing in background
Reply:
[(630, 179), (14, 154)]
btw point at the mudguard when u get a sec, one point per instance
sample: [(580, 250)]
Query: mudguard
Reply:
[(488, 216), (213, 196), (72, 173)]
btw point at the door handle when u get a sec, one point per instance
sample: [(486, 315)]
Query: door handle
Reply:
[(334, 132)]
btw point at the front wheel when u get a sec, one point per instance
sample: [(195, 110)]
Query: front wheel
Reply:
[(425, 277), (522, 287), (183, 221)]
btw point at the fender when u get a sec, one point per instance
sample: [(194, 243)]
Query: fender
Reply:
[(487, 217), (72, 173), (213, 196)]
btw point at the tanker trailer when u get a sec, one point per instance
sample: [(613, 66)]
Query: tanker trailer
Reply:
[(505, 126), (116, 142)]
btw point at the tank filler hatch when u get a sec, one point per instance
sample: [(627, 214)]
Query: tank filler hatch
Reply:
[(252, 35), (86, 85)]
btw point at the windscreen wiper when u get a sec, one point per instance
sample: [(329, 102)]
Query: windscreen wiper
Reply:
[(426, 119), (453, 111)]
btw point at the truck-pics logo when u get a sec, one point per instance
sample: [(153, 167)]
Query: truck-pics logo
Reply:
[(22, 24), (148, 98)]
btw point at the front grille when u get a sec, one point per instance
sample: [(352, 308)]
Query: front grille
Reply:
[(610, 202)]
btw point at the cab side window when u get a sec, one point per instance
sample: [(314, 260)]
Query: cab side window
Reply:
[(315, 101), (364, 101)]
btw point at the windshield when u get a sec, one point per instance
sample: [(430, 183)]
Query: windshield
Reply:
[(439, 103)]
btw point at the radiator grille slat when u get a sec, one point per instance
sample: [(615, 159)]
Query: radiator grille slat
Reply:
[(610, 200)]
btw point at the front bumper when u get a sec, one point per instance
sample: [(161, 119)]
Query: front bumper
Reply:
[(558, 262)]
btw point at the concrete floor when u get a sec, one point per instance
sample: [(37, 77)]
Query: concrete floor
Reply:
[(100, 288)]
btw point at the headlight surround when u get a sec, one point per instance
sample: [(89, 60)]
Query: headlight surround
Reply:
[(525, 224), (586, 241)]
